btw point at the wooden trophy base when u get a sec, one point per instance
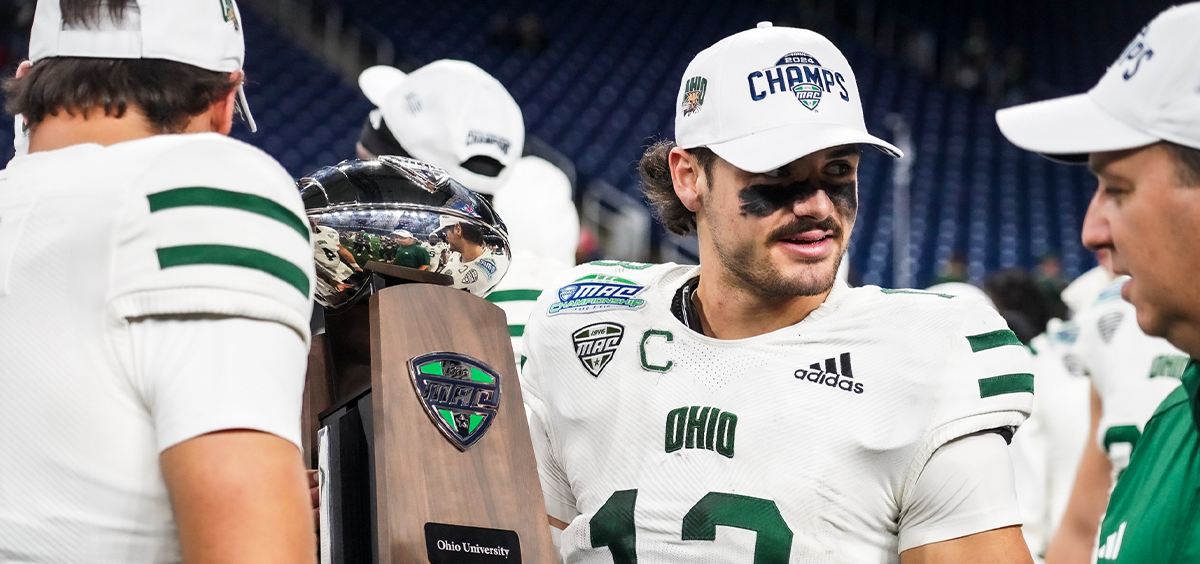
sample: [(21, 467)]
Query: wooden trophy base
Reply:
[(441, 438)]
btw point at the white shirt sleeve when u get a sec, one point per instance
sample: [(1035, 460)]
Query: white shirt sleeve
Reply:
[(198, 375), (967, 487), (560, 502)]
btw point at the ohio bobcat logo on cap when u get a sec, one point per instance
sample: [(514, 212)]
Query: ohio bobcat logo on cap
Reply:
[(229, 13), (693, 95)]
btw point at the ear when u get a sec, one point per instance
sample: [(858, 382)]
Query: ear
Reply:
[(222, 116), (686, 176), (219, 117), (23, 68)]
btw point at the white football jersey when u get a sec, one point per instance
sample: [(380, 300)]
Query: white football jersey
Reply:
[(800, 445), (326, 244), (518, 291), (1046, 452), (480, 275), (1133, 372), (91, 237)]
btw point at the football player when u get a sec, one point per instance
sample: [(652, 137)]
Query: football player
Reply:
[(155, 291), (476, 265), (1138, 130), (754, 408)]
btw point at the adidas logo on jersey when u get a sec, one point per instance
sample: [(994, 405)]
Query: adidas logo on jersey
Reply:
[(831, 375), (1112, 545), (596, 344)]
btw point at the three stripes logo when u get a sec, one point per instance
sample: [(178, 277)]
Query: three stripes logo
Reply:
[(834, 372), (596, 344)]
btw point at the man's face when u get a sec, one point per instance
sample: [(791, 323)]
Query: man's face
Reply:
[(454, 238), (783, 233), (1149, 223)]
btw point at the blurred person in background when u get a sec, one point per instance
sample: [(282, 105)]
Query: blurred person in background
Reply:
[(450, 114), (954, 270), (154, 300), (543, 232), (1130, 373), (409, 252), (455, 116), (1138, 130), (1050, 278)]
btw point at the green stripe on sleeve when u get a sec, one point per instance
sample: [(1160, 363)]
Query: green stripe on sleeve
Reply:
[(187, 255), (516, 330), (994, 339), (513, 296), (197, 196), (1005, 384), (1121, 434)]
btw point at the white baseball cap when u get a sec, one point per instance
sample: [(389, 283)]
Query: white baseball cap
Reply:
[(201, 33), (765, 97), (447, 113), (1151, 93)]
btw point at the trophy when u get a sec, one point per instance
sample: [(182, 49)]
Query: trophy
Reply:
[(413, 409)]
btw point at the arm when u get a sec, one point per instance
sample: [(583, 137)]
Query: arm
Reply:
[(239, 496), (1076, 536), (963, 507), (349, 258), (225, 397), (998, 546)]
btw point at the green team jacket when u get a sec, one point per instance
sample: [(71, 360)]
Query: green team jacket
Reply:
[(1154, 512)]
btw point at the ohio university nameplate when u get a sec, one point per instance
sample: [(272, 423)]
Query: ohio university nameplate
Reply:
[(452, 544)]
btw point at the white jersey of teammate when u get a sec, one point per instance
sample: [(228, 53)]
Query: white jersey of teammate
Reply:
[(480, 275), (331, 269), (801, 445), (1047, 451), (1131, 371), (440, 255), (518, 292), (100, 249)]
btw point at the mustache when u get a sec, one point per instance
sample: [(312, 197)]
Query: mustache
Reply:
[(802, 225)]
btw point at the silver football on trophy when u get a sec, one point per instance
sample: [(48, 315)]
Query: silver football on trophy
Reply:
[(400, 218)]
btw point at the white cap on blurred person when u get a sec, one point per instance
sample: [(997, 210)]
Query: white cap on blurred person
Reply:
[(453, 115), (1150, 94), (403, 234), (767, 96), (201, 33), (537, 206)]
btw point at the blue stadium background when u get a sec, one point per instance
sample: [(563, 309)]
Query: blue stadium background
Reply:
[(604, 87)]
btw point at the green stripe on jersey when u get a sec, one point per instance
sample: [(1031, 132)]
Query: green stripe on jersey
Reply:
[(182, 197), (513, 296), (187, 255), (1121, 434), (1005, 384), (994, 339), (516, 330)]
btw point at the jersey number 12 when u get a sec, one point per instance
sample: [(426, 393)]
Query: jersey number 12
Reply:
[(613, 526)]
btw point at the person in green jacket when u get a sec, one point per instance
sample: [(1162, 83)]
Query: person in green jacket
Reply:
[(409, 252), (1138, 130)]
